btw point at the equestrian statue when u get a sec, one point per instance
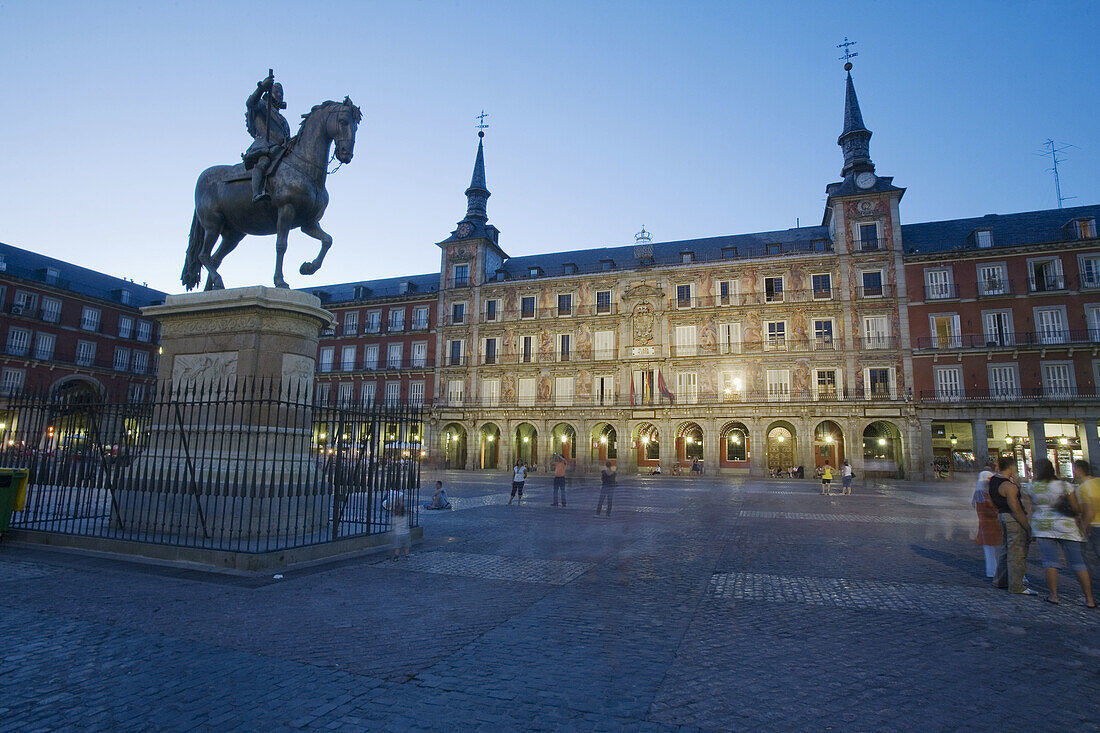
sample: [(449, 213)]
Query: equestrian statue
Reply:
[(278, 186)]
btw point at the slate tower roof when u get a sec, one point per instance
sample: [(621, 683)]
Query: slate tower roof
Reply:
[(855, 140)]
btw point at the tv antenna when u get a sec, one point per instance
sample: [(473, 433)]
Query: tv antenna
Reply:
[(1053, 151)]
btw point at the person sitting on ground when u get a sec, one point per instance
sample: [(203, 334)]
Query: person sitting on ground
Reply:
[(677, 469), (439, 498), (656, 470)]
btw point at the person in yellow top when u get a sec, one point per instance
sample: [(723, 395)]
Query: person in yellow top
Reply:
[(1088, 496), (826, 478)]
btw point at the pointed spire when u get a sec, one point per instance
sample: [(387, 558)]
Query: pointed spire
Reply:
[(855, 140), (477, 194)]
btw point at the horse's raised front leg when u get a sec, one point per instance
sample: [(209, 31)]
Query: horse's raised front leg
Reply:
[(286, 215), (314, 230)]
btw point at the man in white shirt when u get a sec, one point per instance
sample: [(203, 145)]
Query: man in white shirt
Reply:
[(846, 476)]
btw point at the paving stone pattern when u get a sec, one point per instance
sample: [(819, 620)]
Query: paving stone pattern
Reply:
[(699, 604)]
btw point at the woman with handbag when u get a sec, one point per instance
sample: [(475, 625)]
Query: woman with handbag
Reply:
[(1054, 515)]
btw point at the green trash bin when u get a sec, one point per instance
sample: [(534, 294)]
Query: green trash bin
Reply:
[(13, 491)]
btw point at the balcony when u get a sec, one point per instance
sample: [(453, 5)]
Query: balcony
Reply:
[(372, 328), (781, 393), (941, 291), (877, 342), (874, 291), (870, 245), (823, 294), (995, 288), (454, 360), (1007, 394), (1046, 283), (1008, 340), (418, 325)]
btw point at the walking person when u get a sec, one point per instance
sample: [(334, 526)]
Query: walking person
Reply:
[(519, 475), (607, 488), (989, 529), (1004, 492), (1054, 513), (826, 479), (846, 476), (560, 465), (1088, 496)]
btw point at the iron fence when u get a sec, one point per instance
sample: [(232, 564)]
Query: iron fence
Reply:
[(245, 467)]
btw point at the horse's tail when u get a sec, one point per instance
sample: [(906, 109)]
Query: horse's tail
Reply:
[(192, 265)]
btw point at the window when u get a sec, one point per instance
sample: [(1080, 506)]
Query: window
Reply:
[(565, 304), (729, 252), (773, 248), (603, 302), (135, 392), (938, 284), (607, 265), (683, 296), (51, 310), (455, 353), (394, 355), (25, 303), (367, 392), (569, 269), (1085, 228), (563, 347), (872, 283), (122, 359), (327, 355), (948, 382), (125, 327), (19, 341), (43, 346), (462, 276), (420, 317), (525, 391), (983, 238), (370, 356), (141, 362), (89, 319), (945, 331), (420, 354), (528, 349), (456, 391), (876, 332), (1004, 382), (1050, 325), (823, 334), (344, 394), (605, 390), (416, 393), (1045, 274), (997, 328), (605, 345), (1092, 320), (685, 341), (347, 358), (822, 286), (825, 385), (351, 323), (490, 351), (727, 292), (729, 338), (11, 381), (687, 387), (779, 385), (777, 335), (992, 280), (733, 385), (397, 320), (534, 272), (144, 331), (773, 289), (392, 393), (879, 383), (527, 307), (491, 310), (374, 323), (490, 392), (1090, 272), (1058, 379), (458, 313), (85, 353), (868, 237), (687, 257), (563, 390), (821, 245)]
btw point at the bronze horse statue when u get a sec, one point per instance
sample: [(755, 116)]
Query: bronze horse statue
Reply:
[(224, 206)]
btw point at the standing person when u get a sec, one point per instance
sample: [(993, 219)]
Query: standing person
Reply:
[(846, 476), (519, 475), (559, 478), (401, 538), (1054, 512), (607, 488), (989, 529), (1004, 492), (1088, 496), (826, 478)]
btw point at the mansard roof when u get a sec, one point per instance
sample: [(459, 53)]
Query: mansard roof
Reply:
[(1009, 230), (74, 278), (406, 286)]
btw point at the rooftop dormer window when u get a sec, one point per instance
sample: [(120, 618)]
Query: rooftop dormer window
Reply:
[(534, 271), (569, 269), (606, 265), (1084, 228), (52, 274), (773, 248), (983, 238), (729, 252), (687, 257)]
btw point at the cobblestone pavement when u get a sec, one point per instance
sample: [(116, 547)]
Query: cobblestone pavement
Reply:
[(710, 604)]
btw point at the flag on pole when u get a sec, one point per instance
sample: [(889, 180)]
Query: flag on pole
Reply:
[(664, 387)]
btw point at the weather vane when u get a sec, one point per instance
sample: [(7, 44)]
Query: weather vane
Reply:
[(481, 126), (849, 54)]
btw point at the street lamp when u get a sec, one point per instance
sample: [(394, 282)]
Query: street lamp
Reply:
[(954, 440), (1063, 440), (882, 441), (828, 439)]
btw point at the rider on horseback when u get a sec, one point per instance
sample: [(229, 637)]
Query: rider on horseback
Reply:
[(268, 128)]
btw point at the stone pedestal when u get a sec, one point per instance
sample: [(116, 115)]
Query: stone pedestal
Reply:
[(228, 451)]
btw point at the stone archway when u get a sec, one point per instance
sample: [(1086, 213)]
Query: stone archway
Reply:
[(488, 440), (828, 444), (689, 443), (563, 440), (883, 450), (735, 444), (605, 444), (646, 439), (454, 445), (525, 443), (781, 439)]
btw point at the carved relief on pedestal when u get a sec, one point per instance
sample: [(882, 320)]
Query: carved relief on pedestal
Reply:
[(297, 376), (200, 370)]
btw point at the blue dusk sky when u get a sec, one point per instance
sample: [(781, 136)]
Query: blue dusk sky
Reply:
[(693, 118)]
